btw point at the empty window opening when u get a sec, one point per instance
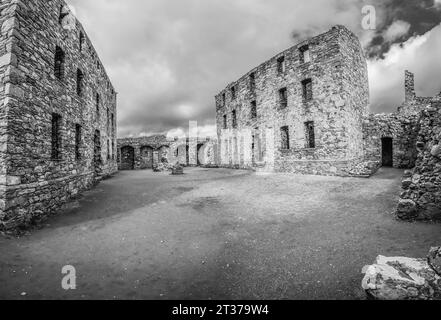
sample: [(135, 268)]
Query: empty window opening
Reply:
[(234, 116), (253, 110), (112, 119), (59, 64), (82, 40), (305, 55), (97, 105), (310, 134), (56, 136), (80, 82), (307, 89), (253, 82), (284, 131), (283, 98), (225, 122), (77, 142), (281, 65), (108, 149), (108, 119), (113, 150), (224, 100), (233, 92), (63, 13), (97, 160)]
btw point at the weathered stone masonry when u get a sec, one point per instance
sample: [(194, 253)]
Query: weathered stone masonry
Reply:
[(421, 196), (415, 134), (302, 111), (148, 152), (58, 111)]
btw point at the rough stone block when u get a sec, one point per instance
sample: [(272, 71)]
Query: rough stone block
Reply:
[(406, 209), (434, 259), (401, 278)]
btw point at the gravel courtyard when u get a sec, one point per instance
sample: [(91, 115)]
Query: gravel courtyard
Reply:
[(215, 234)]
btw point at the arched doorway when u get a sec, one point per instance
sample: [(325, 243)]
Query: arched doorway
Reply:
[(127, 158), (387, 152), (146, 157)]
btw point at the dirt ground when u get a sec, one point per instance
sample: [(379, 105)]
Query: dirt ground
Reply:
[(215, 234)]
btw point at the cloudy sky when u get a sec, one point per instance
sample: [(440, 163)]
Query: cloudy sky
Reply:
[(168, 58)]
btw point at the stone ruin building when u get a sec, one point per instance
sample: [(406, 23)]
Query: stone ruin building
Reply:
[(306, 111), (147, 152), (58, 111), (301, 111)]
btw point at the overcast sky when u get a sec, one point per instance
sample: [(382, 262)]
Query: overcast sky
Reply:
[(168, 58)]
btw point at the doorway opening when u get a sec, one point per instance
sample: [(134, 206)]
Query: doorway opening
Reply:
[(387, 152), (127, 158)]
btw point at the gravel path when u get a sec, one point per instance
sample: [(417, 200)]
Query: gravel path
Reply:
[(219, 234)]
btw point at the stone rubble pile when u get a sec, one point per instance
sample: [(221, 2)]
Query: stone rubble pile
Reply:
[(421, 195), (363, 169), (401, 278)]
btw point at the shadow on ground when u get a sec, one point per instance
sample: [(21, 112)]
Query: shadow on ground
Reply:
[(215, 234)]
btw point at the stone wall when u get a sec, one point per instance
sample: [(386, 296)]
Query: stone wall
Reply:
[(135, 153), (402, 128), (36, 182), (338, 71), (7, 20), (143, 152), (421, 196)]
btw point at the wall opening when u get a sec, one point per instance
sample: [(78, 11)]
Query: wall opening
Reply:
[(310, 134), (63, 13), (252, 82), (97, 105), (56, 136), (253, 110), (305, 55), (307, 89), (59, 64), (80, 82), (77, 142), (234, 117), (281, 66), (284, 132), (97, 160), (82, 40), (387, 152), (108, 150), (283, 98), (127, 158), (146, 157), (233, 92), (199, 155)]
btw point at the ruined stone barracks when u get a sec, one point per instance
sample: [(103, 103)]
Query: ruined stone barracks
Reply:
[(301, 111), (306, 111), (58, 111)]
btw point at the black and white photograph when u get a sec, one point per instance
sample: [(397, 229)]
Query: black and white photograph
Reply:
[(220, 150)]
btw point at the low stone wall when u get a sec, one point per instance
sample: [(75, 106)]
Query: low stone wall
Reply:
[(317, 167), (421, 196)]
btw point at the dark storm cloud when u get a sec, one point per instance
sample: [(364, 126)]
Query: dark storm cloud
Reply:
[(168, 58), (421, 15)]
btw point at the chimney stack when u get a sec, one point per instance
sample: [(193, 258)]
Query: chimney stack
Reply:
[(409, 85)]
